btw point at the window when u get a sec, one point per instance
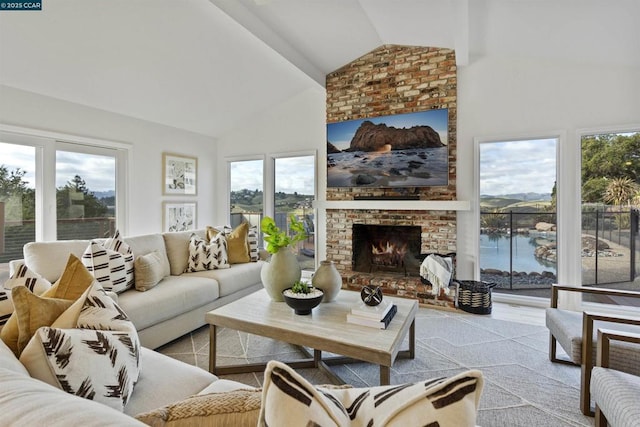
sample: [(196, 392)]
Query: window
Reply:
[(82, 181), (246, 196), (518, 215), (294, 194), (17, 199), (610, 201)]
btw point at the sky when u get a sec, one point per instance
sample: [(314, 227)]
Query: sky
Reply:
[(98, 172), (517, 167), (293, 174), (341, 133)]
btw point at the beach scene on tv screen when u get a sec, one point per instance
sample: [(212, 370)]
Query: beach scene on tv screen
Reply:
[(402, 150)]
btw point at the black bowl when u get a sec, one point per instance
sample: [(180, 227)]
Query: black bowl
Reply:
[(302, 305)]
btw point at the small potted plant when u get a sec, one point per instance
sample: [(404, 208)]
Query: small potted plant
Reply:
[(302, 297), (283, 269)]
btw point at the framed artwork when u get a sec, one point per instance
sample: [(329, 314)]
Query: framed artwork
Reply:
[(179, 216), (180, 174)]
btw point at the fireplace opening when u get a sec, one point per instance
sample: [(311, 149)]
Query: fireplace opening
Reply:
[(388, 248)]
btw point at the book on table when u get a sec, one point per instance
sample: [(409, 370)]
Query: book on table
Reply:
[(371, 322), (375, 312)]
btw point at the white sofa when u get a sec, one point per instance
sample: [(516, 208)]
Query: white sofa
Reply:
[(25, 401), (175, 306)]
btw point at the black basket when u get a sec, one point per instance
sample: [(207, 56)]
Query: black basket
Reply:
[(474, 297)]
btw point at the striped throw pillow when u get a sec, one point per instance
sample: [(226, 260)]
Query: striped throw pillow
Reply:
[(112, 264), (439, 402)]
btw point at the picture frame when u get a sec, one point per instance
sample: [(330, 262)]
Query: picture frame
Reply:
[(179, 174), (179, 216)]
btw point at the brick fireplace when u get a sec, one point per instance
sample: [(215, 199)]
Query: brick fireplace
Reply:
[(393, 80)]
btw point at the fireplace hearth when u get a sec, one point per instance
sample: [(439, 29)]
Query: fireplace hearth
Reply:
[(386, 248)]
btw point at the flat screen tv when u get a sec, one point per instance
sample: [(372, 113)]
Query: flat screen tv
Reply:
[(402, 150)]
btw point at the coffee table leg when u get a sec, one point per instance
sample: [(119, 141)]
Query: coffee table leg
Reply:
[(385, 375), (317, 357), (412, 340), (212, 349)]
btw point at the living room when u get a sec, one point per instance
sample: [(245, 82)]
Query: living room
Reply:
[(227, 81)]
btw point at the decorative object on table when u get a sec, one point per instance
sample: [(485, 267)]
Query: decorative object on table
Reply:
[(179, 174), (179, 216), (475, 297), (283, 268), (370, 295), (328, 279), (377, 316), (302, 297)]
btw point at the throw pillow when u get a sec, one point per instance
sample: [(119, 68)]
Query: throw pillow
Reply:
[(112, 264), (23, 276), (148, 270), (237, 244), (34, 312), (252, 241), (73, 282), (443, 402), (6, 307), (99, 359), (203, 256), (238, 408)]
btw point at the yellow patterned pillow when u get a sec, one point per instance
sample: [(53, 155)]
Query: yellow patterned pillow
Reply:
[(238, 408)]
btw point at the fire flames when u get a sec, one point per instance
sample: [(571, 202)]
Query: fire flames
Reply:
[(388, 254)]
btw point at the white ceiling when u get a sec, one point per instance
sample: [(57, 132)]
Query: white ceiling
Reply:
[(210, 66)]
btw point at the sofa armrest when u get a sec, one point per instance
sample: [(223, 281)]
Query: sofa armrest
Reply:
[(555, 289)]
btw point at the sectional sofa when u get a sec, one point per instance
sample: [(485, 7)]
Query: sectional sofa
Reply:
[(178, 303)]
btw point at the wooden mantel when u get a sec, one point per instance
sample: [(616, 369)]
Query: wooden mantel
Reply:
[(417, 205)]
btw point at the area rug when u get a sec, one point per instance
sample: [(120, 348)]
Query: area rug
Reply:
[(522, 387)]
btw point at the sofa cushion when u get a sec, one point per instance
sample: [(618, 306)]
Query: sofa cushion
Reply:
[(35, 403), (177, 246), (74, 281), (148, 270), (99, 359), (442, 401), (207, 256), (48, 259), (112, 264), (8, 360), (173, 296), (147, 243), (239, 276), (238, 408), (164, 380)]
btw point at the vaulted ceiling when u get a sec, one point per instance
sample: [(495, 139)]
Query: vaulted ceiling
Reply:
[(208, 66)]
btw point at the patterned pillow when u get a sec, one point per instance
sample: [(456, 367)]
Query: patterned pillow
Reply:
[(252, 240), (203, 256), (23, 276), (112, 264), (438, 402), (6, 307), (98, 360)]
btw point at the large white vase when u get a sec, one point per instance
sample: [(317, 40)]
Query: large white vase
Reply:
[(280, 273)]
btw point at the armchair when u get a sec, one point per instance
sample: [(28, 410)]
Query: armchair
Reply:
[(568, 328), (616, 393)]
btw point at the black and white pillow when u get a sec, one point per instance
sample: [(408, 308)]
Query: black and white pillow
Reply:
[(112, 264), (203, 256), (98, 360), (252, 240), (440, 402)]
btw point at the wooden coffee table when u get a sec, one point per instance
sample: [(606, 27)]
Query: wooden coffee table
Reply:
[(326, 329)]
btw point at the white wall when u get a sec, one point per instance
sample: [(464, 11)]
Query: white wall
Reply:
[(512, 98), (149, 140)]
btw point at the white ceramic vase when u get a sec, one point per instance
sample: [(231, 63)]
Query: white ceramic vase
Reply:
[(280, 273), (328, 279)]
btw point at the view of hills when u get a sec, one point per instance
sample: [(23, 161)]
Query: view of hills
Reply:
[(515, 201)]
